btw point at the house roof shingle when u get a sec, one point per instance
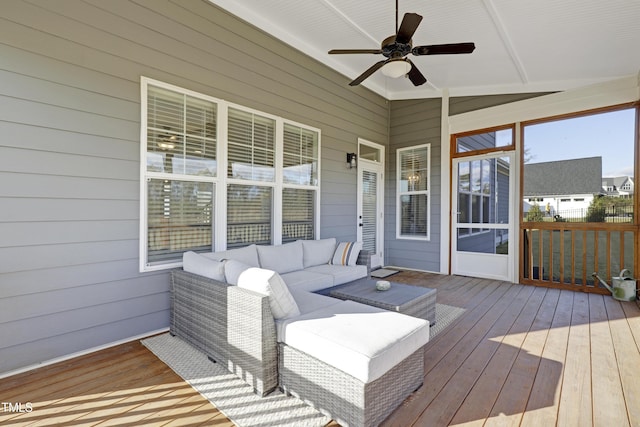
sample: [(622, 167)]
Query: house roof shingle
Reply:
[(563, 177)]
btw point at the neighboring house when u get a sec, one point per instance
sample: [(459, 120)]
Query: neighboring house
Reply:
[(563, 187), (618, 186)]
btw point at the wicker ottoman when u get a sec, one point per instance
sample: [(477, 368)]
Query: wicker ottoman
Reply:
[(356, 363)]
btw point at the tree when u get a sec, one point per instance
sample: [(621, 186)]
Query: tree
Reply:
[(535, 214), (596, 210)]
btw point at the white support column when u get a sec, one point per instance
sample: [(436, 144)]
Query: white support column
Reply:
[(445, 184)]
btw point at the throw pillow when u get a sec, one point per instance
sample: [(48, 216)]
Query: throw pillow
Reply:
[(203, 266), (233, 269), (346, 253), (268, 282), (318, 252)]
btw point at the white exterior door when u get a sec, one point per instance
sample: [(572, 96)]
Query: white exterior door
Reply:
[(371, 200), (483, 216)]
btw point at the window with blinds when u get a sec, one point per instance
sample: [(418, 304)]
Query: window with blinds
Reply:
[(180, 166), (413, 216), (179, 218), (181, 134), (249, 215), (189, 203), (251, 146), (298, 214), (300, 155)]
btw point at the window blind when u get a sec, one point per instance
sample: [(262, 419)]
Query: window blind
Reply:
[(181, 134), (251, 146), (249, 215), (179, 218), (413, 192), (298, 214), (300, 155), (369, 210)]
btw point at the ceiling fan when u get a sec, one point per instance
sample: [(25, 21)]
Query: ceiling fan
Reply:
[(396, 47)]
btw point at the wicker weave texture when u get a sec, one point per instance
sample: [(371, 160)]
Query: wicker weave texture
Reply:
[(344, 398), (233, 326)]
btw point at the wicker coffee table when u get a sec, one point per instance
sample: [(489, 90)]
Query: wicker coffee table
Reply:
[(406, 299)]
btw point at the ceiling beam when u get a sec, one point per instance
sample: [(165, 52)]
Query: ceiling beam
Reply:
[(506, 40)]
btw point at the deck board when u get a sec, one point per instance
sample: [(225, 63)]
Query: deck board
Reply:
[(519, 355)]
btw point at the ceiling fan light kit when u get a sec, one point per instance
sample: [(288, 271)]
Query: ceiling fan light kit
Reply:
[(396, 68), (396, 47)]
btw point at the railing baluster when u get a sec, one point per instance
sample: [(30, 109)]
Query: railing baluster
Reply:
[(561, 255), (551, 255)]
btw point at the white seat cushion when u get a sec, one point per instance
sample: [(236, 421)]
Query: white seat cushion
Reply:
[(310, 301), (307, 302), (340, 273), (268, 282), (362, 341), (307, 280)]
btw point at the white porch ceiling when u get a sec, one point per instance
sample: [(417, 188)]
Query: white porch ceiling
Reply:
[(521, 45)]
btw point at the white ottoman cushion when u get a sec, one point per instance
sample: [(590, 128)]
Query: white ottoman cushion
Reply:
[(362, 341)]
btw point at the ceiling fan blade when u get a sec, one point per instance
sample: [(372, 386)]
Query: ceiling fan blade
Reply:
[(409, 25), (375, 67), (349, 51), (444, 49), (415, 75)]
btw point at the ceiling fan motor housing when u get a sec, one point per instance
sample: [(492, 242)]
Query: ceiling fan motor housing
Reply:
[(393, 49)]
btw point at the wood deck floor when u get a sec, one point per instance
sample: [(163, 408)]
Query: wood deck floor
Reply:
[(519, 355)]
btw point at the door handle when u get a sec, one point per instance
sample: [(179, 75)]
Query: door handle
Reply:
[(360, 225)]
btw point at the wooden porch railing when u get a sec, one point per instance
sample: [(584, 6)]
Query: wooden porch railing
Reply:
[(565, 255)]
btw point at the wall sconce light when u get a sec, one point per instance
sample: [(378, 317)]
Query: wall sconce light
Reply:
[(351, 160)]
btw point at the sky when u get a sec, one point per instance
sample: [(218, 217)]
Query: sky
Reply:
[(610, 135)]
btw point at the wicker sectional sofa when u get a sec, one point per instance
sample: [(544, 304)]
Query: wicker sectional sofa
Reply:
[(353, 362)]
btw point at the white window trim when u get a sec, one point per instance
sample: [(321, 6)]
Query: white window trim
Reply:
[(220, 181), (399, 194)]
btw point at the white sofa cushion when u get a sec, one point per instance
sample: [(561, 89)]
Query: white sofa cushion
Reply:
[(246, 254), (346, 253), (198, 264), (360, 340), (233, 269), (305, 280), (281, 258), (340, 273), (269, 282), (317, 252)]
